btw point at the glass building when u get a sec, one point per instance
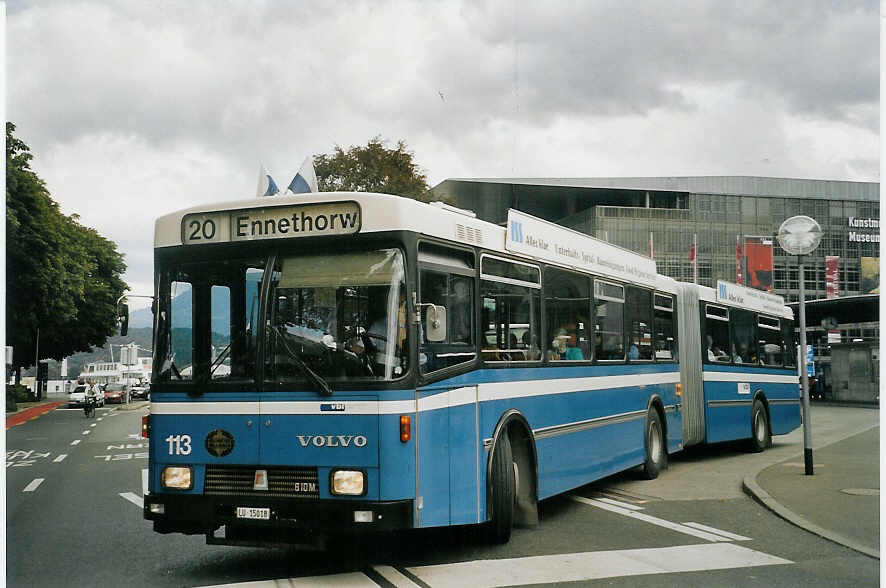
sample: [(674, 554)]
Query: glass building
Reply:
[(660, 216)]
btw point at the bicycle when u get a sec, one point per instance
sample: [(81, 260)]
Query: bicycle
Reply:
[(89, 407)]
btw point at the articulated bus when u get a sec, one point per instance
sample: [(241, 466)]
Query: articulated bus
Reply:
[(338, 362)]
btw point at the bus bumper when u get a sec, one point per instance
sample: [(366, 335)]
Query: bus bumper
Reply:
[(199, 515)]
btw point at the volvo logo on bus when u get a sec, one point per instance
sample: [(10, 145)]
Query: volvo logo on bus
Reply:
[(219, 443), (332, 440)]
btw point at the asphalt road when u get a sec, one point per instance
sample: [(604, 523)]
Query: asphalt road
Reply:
[(73, 519)]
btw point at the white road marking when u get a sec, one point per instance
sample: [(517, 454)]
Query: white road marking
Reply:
[(577, 567), (61, 457), (33, 485), (144, 482), (395, 577), (87, 432), (75, 442), (621, 504), (100, 418), (649, 519), (726, 534), (353, 579), (92, 425), (136, 500)]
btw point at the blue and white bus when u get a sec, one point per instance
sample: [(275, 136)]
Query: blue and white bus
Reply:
[(343, 362)]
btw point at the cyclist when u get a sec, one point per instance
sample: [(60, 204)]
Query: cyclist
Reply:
[(91, 400)]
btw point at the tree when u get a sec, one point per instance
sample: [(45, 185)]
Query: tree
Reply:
[(60, 276), (373, 168)]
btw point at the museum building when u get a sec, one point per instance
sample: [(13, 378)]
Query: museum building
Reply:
[(727, 217)]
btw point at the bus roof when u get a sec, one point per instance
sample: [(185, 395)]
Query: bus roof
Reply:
[(380, 212), (385, 212)]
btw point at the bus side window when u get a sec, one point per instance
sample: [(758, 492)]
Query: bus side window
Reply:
[(665, 334), (511, 314), (456, 294), (567, 305), (770, 345), (716, 335), (790, 346), (744, 347), (639, 304), (609, 321)]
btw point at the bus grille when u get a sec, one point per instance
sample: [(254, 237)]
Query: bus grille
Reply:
[(283, 482)]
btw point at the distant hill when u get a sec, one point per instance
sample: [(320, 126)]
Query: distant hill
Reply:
[(76, 362), (181, 308)]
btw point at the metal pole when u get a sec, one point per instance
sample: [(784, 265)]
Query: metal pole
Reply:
[(37, 366), (804, 376)]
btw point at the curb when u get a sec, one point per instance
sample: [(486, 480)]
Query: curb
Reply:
[(751, 488)]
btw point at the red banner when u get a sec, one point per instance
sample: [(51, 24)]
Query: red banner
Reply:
[(760, 262), (832, 276)]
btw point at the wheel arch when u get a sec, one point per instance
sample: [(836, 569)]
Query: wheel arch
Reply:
[(512, 420), (760, 395), (657, 403)]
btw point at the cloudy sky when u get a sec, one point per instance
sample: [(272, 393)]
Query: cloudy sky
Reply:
[(135, 109)]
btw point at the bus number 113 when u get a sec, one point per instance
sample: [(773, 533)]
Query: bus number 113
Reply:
[(179, 444)]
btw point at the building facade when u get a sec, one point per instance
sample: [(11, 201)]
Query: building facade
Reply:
[(662, 216)]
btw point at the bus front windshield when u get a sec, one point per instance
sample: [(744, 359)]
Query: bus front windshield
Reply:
[(341, 316)]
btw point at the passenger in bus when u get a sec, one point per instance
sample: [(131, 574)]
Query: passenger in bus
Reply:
[(714, 352), (564, 345), (743, 354)]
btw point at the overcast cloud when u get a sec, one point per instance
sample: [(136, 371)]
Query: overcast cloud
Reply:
[(136, 109)]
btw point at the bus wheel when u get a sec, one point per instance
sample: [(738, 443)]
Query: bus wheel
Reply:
[(761, 438), (656, 454), (503, 491)]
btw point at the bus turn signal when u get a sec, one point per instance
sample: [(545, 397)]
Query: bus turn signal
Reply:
[(405, 428)]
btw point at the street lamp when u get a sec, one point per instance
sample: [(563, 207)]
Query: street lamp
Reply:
[(800, 235)]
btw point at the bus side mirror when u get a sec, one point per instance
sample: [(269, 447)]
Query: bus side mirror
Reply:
[(435, 323), (123, 317)]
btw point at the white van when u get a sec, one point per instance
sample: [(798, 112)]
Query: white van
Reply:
[(77, 396)]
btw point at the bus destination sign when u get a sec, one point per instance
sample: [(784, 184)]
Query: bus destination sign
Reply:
[(277, 222)]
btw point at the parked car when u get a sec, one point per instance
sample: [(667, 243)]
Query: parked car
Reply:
[(118, 393), (140, 391), (77, 396)]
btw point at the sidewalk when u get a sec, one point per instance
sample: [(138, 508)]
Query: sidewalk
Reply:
[(840, 501)]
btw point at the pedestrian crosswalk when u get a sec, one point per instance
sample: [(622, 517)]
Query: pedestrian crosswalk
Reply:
[(546, 569), (719, 553)]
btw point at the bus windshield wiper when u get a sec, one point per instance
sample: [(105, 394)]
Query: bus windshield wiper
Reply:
[(322, 385)]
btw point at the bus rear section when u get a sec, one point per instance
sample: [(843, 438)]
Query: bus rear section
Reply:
[(744, 383)]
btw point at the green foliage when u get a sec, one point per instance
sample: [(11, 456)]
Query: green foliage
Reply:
[(60, 276), (16, 393), (373, 168)]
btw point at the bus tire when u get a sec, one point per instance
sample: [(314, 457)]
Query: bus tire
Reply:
[(761, 437), (656, 452), (503, 491)]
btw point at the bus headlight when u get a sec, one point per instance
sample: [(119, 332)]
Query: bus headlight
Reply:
[(177, 477), (348, 482)]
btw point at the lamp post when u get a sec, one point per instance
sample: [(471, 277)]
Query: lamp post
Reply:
[(800, 235)]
